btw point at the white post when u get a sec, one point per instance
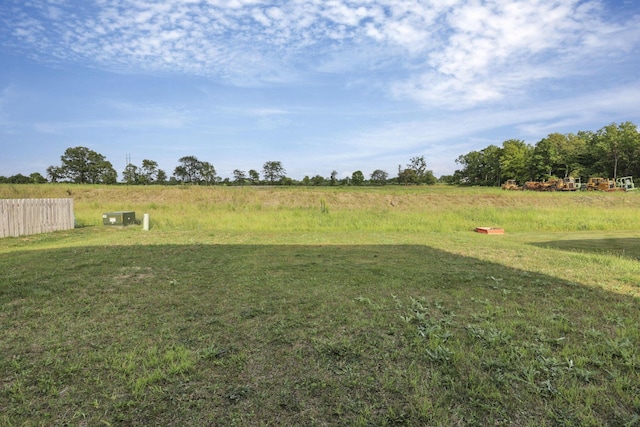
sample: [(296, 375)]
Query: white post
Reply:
[(145, 222)]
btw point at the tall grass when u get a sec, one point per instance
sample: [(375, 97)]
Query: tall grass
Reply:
[(388, 209)]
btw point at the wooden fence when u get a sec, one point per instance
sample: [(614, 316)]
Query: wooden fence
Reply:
[(22, 217)]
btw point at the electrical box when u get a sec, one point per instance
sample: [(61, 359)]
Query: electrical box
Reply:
[(119, 218)]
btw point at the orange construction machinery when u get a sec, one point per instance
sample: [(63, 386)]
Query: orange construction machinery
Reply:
[(554, 184)]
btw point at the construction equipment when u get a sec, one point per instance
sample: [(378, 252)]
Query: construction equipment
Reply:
[(571, 184), (552, 184), (598, 183), (532, 185), (606, 184), (510, 184), (626, 183)]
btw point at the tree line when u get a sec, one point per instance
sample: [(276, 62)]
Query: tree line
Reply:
[(82, 165), (612, 151)]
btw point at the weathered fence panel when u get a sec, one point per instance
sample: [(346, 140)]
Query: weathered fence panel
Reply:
[(22, 217)]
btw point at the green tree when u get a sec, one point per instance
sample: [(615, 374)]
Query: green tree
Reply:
[(491, 165), (545, 161), (480, 167), (161, 178), (379, 177), (108, 176), (189, 171), (357, 178), (84, 166), (571, 155), (416, 172), (334, 178), (273, 171), (254, 177), (239, 177), (471, 171), (317, 180), (208, 174), (513, 161), (616, 149), (407, 176), (37, 178), (130, 174), (149, 173), (447, 179), (55, 173), (18, 179)]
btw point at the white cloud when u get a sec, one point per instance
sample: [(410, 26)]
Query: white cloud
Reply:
[(450, 53)]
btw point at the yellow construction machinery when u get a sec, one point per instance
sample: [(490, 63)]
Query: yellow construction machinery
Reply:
[(624, 183), (511, 184), (554, 184)]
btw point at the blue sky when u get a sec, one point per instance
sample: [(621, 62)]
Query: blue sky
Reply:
[(319, 85)]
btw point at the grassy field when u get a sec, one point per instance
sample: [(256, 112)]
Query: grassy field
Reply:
[(297, 306)]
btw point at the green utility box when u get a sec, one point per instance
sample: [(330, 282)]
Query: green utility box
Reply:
[(119, 218)]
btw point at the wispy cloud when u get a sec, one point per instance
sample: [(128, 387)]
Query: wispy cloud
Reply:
[(453, 53)]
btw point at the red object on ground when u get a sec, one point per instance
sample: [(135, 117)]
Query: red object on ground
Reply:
[(489, 230)]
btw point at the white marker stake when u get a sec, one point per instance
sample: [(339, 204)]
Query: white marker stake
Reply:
[(145, 222)]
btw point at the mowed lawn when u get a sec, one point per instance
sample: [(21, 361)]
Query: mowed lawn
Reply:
[(298, 306)]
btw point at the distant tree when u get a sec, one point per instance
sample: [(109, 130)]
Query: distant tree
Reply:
[(617, 148), (480, 167), (317, 180), (513, 162), (471, 168), (37, 178), (150, 174), (545, 159), (416, 172), (161, 177), (334, 178), (83, 166), (407, 176), (447, 179), (130, 174), (254, 177), (208, 174), (379, 177), (357, 178), (108, 176), (18, 179), (573, 154), (188, 171), (273, 171), (55, 173), (613, 150), (306, 180), (491, 172), (419, 165), (239, 177)]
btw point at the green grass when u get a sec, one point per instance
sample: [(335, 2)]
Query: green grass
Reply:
[(335, 321)]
